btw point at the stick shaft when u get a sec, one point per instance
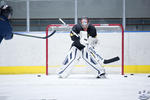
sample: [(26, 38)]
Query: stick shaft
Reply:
[(35, 36), (62, 21)]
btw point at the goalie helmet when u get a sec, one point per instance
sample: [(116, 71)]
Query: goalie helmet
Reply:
[(6, 11), (84, 22)]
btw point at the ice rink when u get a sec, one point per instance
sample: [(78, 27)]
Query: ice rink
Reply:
[(76, 87)]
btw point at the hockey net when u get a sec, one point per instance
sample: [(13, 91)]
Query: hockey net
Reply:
[(111, 43)]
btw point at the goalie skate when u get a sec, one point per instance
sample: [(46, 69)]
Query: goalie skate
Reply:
[(101, 76)]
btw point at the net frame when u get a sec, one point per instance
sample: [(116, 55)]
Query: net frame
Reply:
[(71, 25)]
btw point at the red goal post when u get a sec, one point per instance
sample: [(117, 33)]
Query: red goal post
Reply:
[(71, 25)]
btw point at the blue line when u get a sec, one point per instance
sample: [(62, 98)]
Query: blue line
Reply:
[(105, 32), (111, 32), (136, 31), (97, 32), (32, 32)]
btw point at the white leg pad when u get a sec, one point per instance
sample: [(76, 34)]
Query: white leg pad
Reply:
[(69, 62), (91, 60)]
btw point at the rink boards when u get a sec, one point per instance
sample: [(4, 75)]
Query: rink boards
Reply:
[(28, 55)]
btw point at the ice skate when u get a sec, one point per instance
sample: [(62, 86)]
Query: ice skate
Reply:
[(101, 76)]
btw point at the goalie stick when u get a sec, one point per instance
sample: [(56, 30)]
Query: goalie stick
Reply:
[(105, 61), (36, 36)]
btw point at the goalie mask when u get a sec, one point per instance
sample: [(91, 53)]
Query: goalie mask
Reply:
[(6, 11), (84, 22)]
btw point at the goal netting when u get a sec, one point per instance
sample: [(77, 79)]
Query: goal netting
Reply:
[(111, 43)]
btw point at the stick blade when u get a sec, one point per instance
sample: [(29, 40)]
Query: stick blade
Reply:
[(107, 61)]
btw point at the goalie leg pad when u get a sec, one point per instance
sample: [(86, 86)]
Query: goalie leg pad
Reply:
[(68, 63), (91, 60)]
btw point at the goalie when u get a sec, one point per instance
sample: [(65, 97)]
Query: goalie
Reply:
[(84, 40)]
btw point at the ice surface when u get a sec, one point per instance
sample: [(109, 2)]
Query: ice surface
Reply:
[(76, 87)]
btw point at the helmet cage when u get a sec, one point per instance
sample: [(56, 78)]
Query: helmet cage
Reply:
[(84, 22)]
